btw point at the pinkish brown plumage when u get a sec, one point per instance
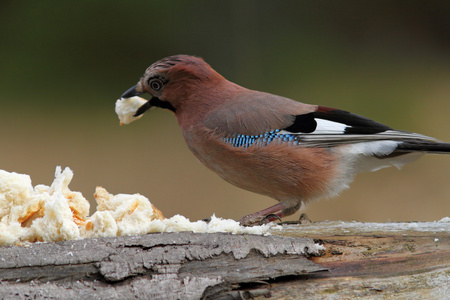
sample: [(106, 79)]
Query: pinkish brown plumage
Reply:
[(271, 145)]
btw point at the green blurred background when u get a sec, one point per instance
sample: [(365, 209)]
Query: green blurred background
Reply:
[(64, 63)]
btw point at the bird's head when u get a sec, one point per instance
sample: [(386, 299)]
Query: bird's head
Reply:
[(172, 81)]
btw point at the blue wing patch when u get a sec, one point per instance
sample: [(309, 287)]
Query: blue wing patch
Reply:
[(264, 139)]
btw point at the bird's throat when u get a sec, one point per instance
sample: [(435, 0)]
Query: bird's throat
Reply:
[(154, 101)]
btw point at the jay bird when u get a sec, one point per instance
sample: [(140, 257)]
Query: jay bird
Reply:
[(271, 145)]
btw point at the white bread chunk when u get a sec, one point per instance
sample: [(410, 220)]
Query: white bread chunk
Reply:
[(179, 223), (11, 233), (78, 205), (41, 214), (55, 213), (63, 211), (15, 189), (57, 224), (122, 213), (100, 224), (126, 108)]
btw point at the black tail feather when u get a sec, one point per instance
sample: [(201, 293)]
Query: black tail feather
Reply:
[(424, 146)]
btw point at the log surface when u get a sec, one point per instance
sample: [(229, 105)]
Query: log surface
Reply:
[(375, 261), (396, 260), (153, 266)]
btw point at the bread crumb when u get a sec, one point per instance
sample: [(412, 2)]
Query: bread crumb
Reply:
[(55, 213), (122, 214), (126, 108)]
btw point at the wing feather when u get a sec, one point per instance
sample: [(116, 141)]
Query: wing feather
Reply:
[(253, 113)]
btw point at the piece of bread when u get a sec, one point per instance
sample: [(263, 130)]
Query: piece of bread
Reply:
[(126, 108), (121, 214), (55, 213)]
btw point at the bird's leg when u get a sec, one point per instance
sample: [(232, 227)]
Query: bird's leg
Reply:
[(280, 210)]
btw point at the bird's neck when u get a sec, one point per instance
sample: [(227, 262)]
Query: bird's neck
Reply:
[(197, 103)]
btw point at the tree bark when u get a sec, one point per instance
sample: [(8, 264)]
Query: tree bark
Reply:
[(153, 266), (375, 261), (401, 260)]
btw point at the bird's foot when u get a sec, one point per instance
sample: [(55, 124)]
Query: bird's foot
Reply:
[(258, 219), (302, 220), (251, 220), (269, 214)]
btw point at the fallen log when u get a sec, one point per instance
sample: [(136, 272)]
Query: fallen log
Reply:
[(154, 266), (406, 260)]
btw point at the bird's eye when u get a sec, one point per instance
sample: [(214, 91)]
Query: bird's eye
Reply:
[(155, 83)]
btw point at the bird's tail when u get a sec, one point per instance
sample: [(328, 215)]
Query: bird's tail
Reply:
[(424, 146)]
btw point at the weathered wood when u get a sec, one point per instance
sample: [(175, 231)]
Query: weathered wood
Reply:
[(397, 260), (372, 260), (154, 266)]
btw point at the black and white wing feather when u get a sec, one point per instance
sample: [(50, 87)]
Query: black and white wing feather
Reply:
[(329, 127)]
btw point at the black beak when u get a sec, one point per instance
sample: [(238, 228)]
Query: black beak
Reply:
[(131, 92), (146, 106)]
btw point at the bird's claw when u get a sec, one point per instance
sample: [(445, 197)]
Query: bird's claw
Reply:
[(302, 220), (268, 218), (255, 220)]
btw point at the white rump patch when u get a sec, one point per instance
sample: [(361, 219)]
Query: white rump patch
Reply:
[(378, 148)]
